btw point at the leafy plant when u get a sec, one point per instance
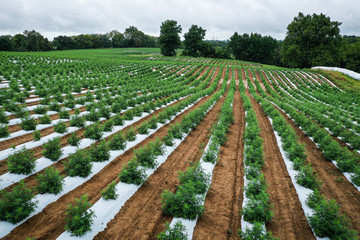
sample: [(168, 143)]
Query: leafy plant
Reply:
[(256, 232), (40, 109), (36, 135), (73, 140), (93, 132), (79, 164), (107, 126), (132, 173), (50, 181), (16, 205), (45, 119), (131, 135), (258, 209), (21, 162), (64, 114), (178, 232), (77, 121), (110, 191), (118, 120), (118, 142), (28, 124), (4, 131), (195, 175), (100, 152), (60, 127), (3, 117), (78, 217), (53, 149)]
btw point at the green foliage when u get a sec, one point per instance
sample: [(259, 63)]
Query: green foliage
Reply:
[(107, 126), (36, 135), (132, 173), (130, 135), (21, 161), (118, 120), (4, 131), (77, 121), (311, 40), (196, 176), (100, 152), (40, 109), (168, 140), (3, 117), (258, 208), (60, 127), (52, 149), (307, 178), (79, 164), (169, 38), (16, 205), (178, 232), (118, 141), (28, 123), (73, 140), (193, 41), (256, 232), (63, 114), (110, 191), (93, 132), (78, 217), (50, 181), (45, 119)]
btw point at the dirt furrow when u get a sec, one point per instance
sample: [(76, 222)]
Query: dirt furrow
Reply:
[(224, 199), (289, 220)]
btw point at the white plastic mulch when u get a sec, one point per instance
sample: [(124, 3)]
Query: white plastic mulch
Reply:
[(347, 72)]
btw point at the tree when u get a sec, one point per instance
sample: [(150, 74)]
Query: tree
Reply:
[(64, 43), (117, 39), (193, 42), (169, 38), (133, 37), (351, 56), (311, 40), (6, 43)]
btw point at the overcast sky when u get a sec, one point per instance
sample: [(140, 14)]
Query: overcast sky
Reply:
[(221, 18)]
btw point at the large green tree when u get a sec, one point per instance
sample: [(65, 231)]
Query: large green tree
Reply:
[(169, 39), (311, 40), (193, 41)]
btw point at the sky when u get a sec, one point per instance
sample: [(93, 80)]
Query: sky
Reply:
[(220, 18)]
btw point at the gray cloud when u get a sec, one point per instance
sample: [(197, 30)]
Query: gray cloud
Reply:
[(221, 18)]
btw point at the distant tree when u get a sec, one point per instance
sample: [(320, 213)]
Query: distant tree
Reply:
[(6, 43), (169, 38), (351, 56), (20, 42), (83, 41), (193, 41), (36, 42), (117, 39), (311, 40), (133, 37), (64, 43)]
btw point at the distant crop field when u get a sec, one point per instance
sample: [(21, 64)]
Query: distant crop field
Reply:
[(128, 144)]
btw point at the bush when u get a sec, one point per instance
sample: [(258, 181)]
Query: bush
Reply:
[(146, 157), (60, 127), (129, 115), (178, 232), (132, 173), (54, 106), (257, 232), (40, 110), (110, 191), (93, 116), (4, 131), (196, 176), (52, 149), (21, 162), (307, 178), (16, 205), (45, 119), (93, 132), (28, 123), (168, 140), (79, 164), (50, 181), (175, 130), (78, 217), (73, 140), (131, 135), (327, 221), (100, 152), (63, 114), (118, 120), (107, 126), (143, 128), (185, 203), (118, 142), (152, 124), (36, 135), (255, 186), (3, 117), (258, 209)]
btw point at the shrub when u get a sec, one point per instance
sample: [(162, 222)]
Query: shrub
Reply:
[(77, 121), (211, 154), (93, 116), (4, 131), (78, 217), (258, 209), (93, 132), (73, 140), (143, 128), (3, 117), (256, 232), (130, 135), (168, 140), (100, 152), (196, 176), (45, 119), (63, 114), (152, 124), (36, 135), (256, 186), (50, 181), (40, 110), (118, 142), (178, 232), (118, 120), (79, 164), (21, 162), (327, 221), (60, 127), (307, 178), (16, 205), (129, 115), (132, 173), (185, 203), (107, 126), (28, 123), (175, 130), (70, 104), (105, 112), (110, 191), (145, 156), (52, 149)]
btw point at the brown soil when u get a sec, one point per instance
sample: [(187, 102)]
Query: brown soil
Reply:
[(224, 199), (335, 185), (289, 220), (50, 223)]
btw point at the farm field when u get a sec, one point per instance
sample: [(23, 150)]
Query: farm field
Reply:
[(218, 149)]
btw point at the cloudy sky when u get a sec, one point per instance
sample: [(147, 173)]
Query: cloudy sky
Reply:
[(221, 18)]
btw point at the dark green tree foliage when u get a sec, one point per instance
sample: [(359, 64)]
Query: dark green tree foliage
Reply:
[(17, 204), (311, 40), (193, 42), (254, 47), (351, 56), (169, 38), (64, 43), (6, 43), (78, 217)]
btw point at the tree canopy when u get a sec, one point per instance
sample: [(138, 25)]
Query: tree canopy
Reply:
[(193, 41), (311, 40), (169, 38)]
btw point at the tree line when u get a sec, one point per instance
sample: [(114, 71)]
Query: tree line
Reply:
[(311, 40), (33, 41)]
